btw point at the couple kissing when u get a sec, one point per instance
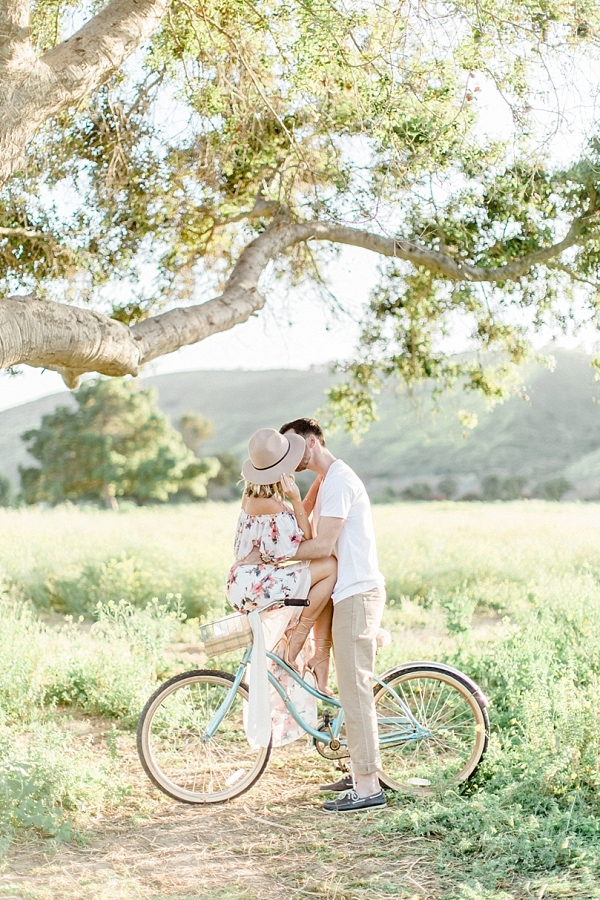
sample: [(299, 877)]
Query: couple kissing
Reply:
[(323, 548)]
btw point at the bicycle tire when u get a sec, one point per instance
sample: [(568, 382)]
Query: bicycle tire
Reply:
[(451, 707), (171, 749)]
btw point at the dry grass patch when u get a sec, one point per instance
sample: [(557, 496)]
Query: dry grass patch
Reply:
[(273, 843)]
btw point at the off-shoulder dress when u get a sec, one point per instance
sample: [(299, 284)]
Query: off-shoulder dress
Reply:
[(277, 537)]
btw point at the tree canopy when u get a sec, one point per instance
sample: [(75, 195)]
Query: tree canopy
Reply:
[(247, 139), (116, 443), (195, 430)]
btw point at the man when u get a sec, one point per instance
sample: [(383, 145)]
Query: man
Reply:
[(342, 523)]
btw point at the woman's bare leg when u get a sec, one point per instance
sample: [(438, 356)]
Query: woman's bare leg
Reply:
[(319, 661), (323, 573), (322, 627)]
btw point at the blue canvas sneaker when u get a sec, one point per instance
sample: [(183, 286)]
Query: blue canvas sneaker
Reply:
[(346, 783)]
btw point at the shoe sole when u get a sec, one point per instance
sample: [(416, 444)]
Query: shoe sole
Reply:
[(356, 808)]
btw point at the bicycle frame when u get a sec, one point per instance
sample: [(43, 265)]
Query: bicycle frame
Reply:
[(409, 728)]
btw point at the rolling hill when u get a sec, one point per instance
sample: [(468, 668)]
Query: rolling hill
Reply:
[(554, 432)]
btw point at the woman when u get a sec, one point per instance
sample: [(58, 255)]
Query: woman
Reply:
[(268, 534)]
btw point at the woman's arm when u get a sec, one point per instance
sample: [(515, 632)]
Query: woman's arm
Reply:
[(293, 492), (311, 496)]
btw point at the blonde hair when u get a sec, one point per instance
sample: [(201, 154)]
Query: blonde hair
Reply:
[(265, 490)]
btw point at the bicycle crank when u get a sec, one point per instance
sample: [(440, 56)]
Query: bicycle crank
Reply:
[(331, 749)]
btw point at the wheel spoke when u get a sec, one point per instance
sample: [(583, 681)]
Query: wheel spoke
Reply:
[(447, 710), (172, 746)]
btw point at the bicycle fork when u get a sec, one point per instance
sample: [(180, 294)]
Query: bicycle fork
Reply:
[(228, 699)]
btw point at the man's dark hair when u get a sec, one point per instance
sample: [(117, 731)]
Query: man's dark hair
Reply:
[(305, 427)]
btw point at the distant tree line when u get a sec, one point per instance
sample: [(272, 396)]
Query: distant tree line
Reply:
[(492, 488), (117, 445)]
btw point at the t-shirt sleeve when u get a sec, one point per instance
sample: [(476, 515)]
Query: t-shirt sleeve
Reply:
[(336, 499)]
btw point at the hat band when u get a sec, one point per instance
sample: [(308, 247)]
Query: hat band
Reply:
[(272, 466)]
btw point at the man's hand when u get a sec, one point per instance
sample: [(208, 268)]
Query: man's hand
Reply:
[(252, 558)]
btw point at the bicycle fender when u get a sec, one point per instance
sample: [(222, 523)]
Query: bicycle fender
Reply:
[(429, 665)]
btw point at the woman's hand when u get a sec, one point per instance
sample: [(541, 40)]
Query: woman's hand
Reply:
[(291, 488)]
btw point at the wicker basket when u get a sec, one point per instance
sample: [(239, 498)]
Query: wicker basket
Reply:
[(229, 633)]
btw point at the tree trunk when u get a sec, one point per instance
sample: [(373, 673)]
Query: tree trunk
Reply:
[(108, 494)]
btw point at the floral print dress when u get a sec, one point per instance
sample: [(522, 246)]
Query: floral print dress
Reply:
[(277, 537), (251, 587)]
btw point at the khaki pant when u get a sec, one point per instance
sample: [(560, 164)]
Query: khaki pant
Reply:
[(356, 620)]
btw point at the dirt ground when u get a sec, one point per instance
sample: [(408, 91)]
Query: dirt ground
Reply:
[(272, 843)]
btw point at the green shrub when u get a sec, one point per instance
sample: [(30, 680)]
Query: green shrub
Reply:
[(420, 490), (534, 807), (46, 781), (553, 489), (6, 491), (458, 607), (495, 488), (135, 579), (70, 559), (447, 488), (46, 778), (107, 671)]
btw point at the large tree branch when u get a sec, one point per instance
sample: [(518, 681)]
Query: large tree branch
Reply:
[(73, 341), (240, 299), (85, 60), (32, 90), (438, 262)]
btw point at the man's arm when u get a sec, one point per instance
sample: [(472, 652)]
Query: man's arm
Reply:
[(323, 544)]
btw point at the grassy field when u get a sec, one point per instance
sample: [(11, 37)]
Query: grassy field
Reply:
[(96, 607)]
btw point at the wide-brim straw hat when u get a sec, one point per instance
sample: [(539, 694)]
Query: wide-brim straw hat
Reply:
[(272, 455)]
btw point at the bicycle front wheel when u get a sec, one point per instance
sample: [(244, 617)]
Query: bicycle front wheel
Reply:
[(176, 752), (441, 740)]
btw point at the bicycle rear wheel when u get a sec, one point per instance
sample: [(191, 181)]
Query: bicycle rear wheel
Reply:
[(173, 747), (454, 722)]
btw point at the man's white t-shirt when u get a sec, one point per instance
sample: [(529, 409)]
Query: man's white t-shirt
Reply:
[(342, 495)]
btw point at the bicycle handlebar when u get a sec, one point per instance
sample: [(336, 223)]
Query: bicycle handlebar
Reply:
[(279, 602)]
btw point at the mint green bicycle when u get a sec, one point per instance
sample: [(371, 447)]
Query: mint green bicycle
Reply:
[(433, 725)]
